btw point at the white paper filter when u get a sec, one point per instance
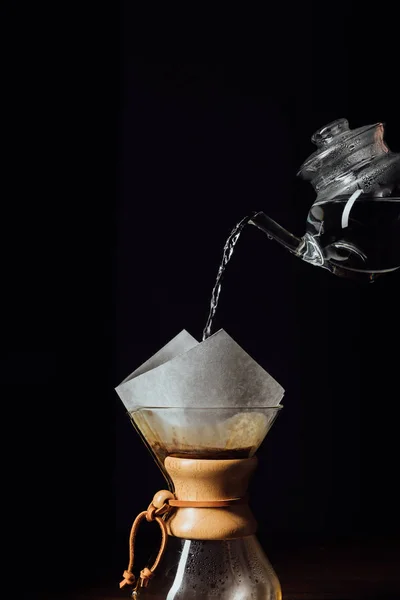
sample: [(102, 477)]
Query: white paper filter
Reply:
[(214, 373)]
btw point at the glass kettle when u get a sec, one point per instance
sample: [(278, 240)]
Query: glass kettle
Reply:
[(353, 226)]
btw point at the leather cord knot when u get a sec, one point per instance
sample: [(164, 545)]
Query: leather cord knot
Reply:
[(155, 512), (129, 579), (145, 576)]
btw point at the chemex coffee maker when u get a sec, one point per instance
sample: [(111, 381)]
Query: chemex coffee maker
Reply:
[(202, 409), (353, 226)]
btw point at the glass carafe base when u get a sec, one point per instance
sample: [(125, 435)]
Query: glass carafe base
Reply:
[(228, 570)]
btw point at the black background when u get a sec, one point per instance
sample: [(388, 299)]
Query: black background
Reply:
[(135, 146)]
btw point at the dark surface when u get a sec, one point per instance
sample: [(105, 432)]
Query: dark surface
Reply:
[(135, 145)]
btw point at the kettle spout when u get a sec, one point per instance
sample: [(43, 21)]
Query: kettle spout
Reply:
[(307, 248), (276, 232)]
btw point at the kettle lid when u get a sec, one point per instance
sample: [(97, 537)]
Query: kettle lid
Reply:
[(337, 143)]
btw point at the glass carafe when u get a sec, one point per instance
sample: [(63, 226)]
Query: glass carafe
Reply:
[(207, 456)]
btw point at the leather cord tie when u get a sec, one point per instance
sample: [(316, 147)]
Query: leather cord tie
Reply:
[(163, 504)]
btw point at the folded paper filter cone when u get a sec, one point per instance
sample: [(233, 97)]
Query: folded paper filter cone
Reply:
[(201, 399)]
